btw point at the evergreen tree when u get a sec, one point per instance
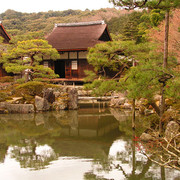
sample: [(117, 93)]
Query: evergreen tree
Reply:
[(166, 5), (116, 56), (28, 55), (142, 81)]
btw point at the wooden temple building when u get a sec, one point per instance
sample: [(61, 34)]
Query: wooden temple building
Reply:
[(72, 41), (6, 39)]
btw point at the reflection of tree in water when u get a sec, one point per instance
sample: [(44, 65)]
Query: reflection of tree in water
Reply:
[(24, 135), (128, 157), (138, 166), (29, 156), (3, 151), (91, 176)]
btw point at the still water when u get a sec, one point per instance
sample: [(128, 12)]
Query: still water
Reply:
[(88, 144)]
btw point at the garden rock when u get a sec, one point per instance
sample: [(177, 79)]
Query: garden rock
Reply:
[(72, 99), (146, 137), (41, 104), (49, 95), (172, 129), (60, 104), (3, 105), (20, 108)]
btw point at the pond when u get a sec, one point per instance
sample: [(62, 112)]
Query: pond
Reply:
[(87, 144)]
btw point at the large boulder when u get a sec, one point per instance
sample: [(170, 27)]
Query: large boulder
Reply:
[(41, 104), (20, 108), (49, 95), (72, 98), (61, 103), (3, 105), (172, 129), (118, 99), (3, 111), (116, 102)]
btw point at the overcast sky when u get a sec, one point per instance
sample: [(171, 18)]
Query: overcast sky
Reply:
[(55, 5)]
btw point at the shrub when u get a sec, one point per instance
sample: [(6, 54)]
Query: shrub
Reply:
[(41, 80), (20, 81), (31, 88), (6, 79), (3, 96)]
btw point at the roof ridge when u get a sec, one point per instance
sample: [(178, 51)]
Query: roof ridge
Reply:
[(80, 23)]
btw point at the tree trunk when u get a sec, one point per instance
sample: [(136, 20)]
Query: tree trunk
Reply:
[(165, 64), (166, 39), (156, 108), (133, 114), (162, 108), (133, 105), (163, 175), (134, 154)]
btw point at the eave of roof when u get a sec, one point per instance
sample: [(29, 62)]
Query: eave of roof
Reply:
[(79, 24), (5, 31)]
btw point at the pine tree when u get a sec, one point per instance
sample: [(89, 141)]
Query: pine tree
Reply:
[(28, 56)]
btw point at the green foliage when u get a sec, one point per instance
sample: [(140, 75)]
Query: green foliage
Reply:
[(164, 4), (151, 4), (117, 24), (141, 81), (28, 55), (21, 81), (126, 25), (18, 23), (1, 39), (151, 121), (148, 21), (27, 36), (31, 88), (147, 79), (102, 87), (6, 79), (104, 55), (116, 54), (172, 87), (40, 71), (137, 28), (156, 16), (130, 30), (3, 96), (90, 76)]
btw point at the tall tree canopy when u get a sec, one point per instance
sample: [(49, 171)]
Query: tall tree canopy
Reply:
[(152, 4)]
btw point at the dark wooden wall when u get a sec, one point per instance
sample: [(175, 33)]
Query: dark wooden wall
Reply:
[(2, 71), (83, 65)]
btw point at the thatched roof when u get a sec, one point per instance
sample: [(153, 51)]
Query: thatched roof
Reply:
[(78, 36)]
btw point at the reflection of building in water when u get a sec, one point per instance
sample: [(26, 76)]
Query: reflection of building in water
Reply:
[(90, 125), (45, 140), (84, 122)]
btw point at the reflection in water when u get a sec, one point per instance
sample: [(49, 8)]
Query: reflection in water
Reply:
[(84, 144), (31, 156)]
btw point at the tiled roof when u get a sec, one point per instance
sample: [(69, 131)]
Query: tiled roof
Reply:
[(78, 36)]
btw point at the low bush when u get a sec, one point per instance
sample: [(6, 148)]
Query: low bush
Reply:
[(31, 88), (6, 79), (3, 96)]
